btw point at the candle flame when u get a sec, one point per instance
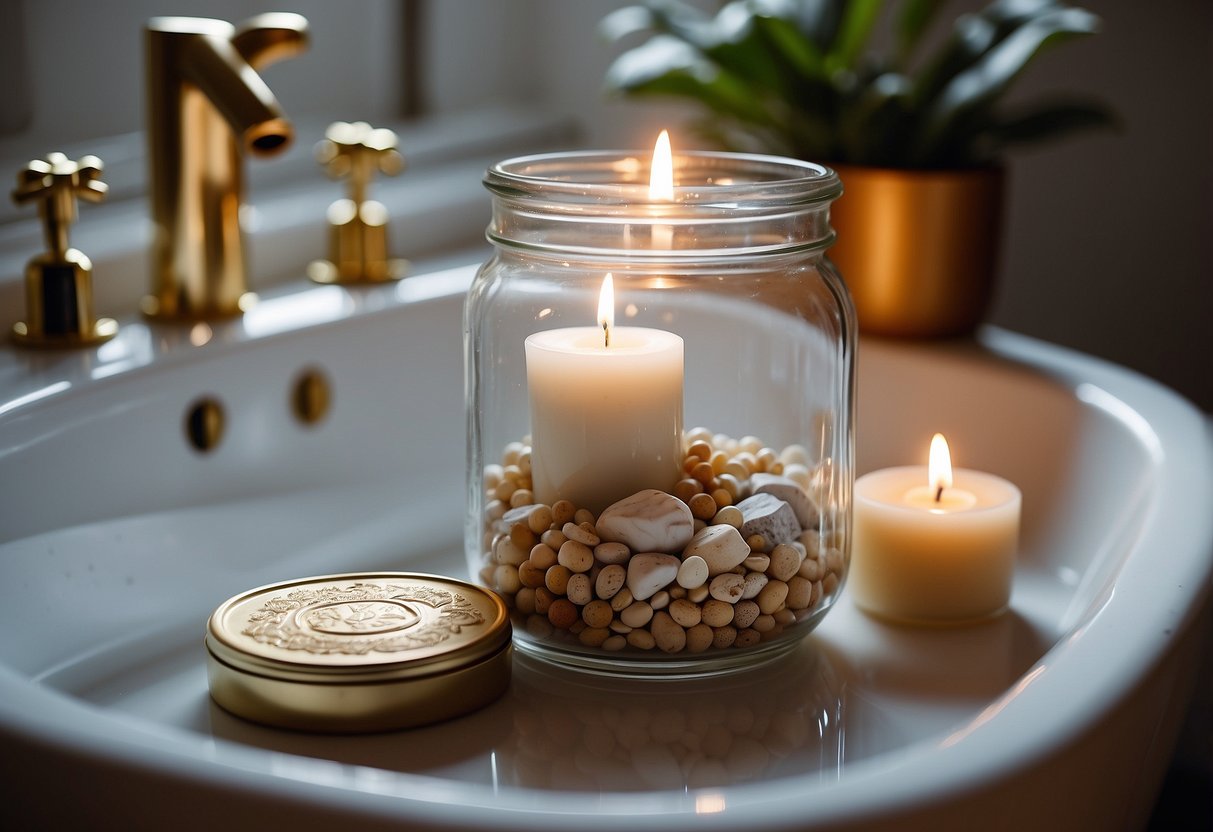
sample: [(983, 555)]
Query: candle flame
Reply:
[(939, 469), (661, 176), (606, 308)]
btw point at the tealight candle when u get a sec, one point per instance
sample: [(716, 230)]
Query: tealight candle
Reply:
[(933, 545), (606, 410)]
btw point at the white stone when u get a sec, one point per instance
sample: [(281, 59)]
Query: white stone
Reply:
[(788, 490), (721, 547), (771, 517), (693, 572), (648, 572), (648, 521)]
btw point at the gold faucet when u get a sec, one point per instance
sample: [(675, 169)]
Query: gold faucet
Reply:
[(206, 103)]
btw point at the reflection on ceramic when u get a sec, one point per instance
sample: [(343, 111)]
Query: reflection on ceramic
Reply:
[(118, 538)]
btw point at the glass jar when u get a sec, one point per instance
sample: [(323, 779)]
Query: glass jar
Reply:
[(660, 481)]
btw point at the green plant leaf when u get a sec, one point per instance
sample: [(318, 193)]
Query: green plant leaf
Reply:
[(1050, 120), (913, 19), (959, 105), (624, 22), (859, 16)]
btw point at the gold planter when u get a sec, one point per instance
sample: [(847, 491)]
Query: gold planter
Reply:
[(918, 249)]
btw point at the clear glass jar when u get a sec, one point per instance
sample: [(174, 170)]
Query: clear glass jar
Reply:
[(709, 431)]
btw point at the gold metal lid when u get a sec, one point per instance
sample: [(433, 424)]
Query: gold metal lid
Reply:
[(358, 652)]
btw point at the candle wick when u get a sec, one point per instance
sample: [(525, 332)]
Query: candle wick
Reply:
[(939, 494), (606, 334)]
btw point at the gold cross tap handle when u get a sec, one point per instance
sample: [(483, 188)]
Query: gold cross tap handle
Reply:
[(358, 225), (58, 283)]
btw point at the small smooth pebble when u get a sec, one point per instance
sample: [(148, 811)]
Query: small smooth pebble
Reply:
[(577, 557), (610, 580), (648, 521), (669, 637), (800, 591), (757, 563), (721, 547), (616, 642), (723, 637), (785, 562), (755, 582), (772, 597), (660, 600), (581, 534), (727, 587), (641, 640), (648, 572), (699, 594), (693, 572), (744, 613), (717, 613), (597, 614), (612, 553), (562, 613), (686, 613), (770, 517), (699, 638), (622, 599), (557, 578), (579, 589), (637, 614)]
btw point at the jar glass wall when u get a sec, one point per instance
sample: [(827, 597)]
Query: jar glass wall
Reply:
[(695, 429)]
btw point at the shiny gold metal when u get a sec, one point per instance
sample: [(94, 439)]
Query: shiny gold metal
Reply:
[(358, 250), (206, 103), (58, 282), (310, 397), (204, 424), (918, 249), (359, 652)]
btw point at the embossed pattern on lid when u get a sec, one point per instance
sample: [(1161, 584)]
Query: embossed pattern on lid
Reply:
[(358, 652)]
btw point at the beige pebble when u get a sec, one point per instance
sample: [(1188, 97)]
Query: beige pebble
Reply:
[(744, 613), (670, 637), (704, 473), (556, 578), (687, 488), (747, 638), (521, 497), (597, 614), (543, 599), (507, 552), (799, 474), (718, 460), (721, 548), (580, 534), (660, 600), (829, 583), (593, 636), (562, 512), (617, 626), (699, 638), (553, 538), (750, 444), (686, 613), (700, 447), (493, 474), (835, 561), (764, 623), (583, 516), (728, 516), (817, 593), (512, 451), (524, 600), (637, 614), (486, 574), (699, 433), (648, 572), (723, 637), (794, 454), (539, 519), (772, 596), (577, 557), (505, 579), (810, 569), (702, 506), (579, 589), (731, 484), (737, 470), (543, 555), (530, 574), (677, 592), (698, 525), (610, 581), (494, 510), (622, 599), (504, 490), (717, 613), (727, 587), (522, 536), (757, 563), (755, 582), (698, 594), (800, 591), (563, 613), (693, 572), (785, 561), (785, 617), (612, 553), (641, 640), (614, 643)]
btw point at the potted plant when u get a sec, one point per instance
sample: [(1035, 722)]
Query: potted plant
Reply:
[(917, 132)]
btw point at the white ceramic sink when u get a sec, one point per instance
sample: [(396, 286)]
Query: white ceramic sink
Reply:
[(117, 539)]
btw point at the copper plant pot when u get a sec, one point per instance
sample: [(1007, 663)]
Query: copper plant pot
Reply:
[(918, 249)]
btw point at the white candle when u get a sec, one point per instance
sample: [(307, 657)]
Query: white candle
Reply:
[(930, 544), (606, 410)]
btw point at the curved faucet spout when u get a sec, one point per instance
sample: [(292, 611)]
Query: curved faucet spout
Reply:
[(206, 102)]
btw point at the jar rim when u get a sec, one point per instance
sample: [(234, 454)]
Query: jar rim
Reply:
[(703, 178)]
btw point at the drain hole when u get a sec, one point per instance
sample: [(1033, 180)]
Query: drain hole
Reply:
[(204, 423), (311, 397)]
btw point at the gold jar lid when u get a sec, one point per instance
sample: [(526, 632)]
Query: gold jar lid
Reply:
[(358, 652)]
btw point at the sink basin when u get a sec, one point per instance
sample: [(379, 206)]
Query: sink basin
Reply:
[(118, 537)]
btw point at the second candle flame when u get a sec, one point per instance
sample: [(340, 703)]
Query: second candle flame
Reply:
[(939, 467), (661, 176), (606, 308)]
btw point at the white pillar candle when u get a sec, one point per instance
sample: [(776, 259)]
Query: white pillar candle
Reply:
[(606, 411), (933, 546)]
